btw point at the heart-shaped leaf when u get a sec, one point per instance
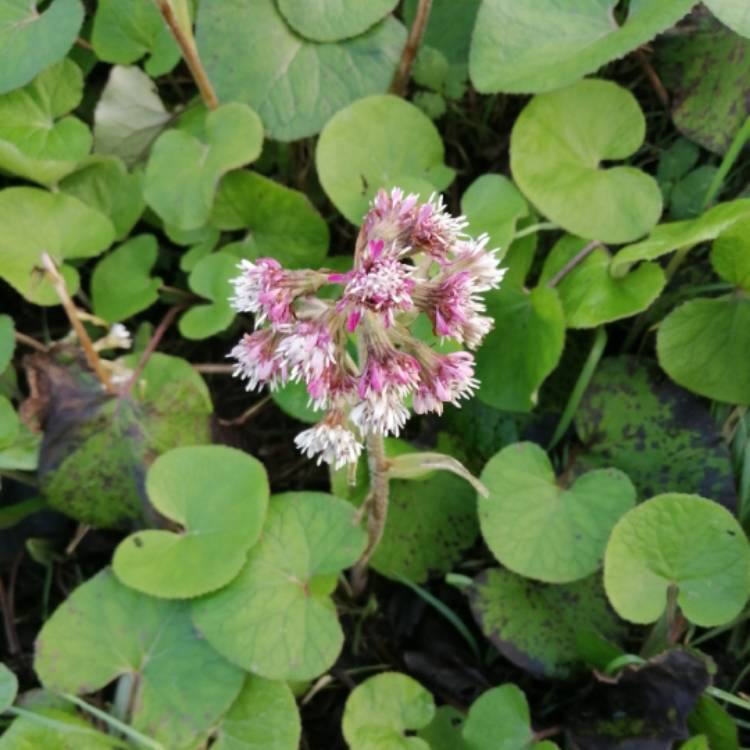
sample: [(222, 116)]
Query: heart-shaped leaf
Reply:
[(282, 223), (39, 140), (444, 731), (211, 278), (31, 41), (126, 30), (53, 729), (730, 254), (732, 13), (104, 183), (129, 116), (591, 121), (311, 81), (703, 345), (35, 221), (379, 142), (707, 72), (499, 718), (678, 235), (664, 438), (542, 530), (536, 625), (430, 522), (380, 711), (492, 204), (529, 334), (220, 514), (121, 284), (526, 48), (683, 541), (326, 21), (590, 295), (8, 688), (104, 630), (183, 172), (264, 717), (276, 618), (97, 447)]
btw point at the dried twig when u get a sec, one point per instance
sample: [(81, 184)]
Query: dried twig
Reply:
[(401, 79)]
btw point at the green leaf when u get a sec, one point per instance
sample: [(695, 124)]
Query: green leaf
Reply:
[(689, 194), (219, 513), (9, 424), (444, 731), (276, 619), (677, 161), (39, 140), (529, 331), (684, 541), (183, 172), (326, 21), (282, 223), (8, 688), (709, 718), (294, 400), (732, 13), (121, 284), (522, 48), (211, 278), (492, 204), (707, 73), (264, 717), (679, 235), (104, 630), (31, 41), (730, 255), (449, 27), (589, 122), (295, 85), (126, 30), (633, 418), (703, 345), (97, 448), (129, 115), (430, 523), (379, 142), (53, 729), (536, 625), (7, 341), (590, 295), (379, 712), (104, 183), (35, 221), (23, 454), (541, 529), (499, 720)]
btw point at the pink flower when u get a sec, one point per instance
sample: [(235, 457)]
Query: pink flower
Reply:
[(446, 379), (331, 442), (261, 289), (391, 215), (307, 349), (434, 230), (257, 361), (383, 414), (334, 387), (481, 264)]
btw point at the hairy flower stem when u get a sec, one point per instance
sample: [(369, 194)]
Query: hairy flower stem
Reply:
[(186, 43), (92, 357)]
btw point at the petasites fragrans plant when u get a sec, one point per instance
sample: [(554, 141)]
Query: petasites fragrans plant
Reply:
[(410, 257)]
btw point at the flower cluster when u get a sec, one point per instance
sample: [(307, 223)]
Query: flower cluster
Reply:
[(410, 258)]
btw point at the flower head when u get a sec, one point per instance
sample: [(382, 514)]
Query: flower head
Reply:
[(434, 230), (257, 361), (331, 442), (445, 379)]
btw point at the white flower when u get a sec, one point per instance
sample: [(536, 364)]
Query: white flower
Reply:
[(331, 443), (382, 414)]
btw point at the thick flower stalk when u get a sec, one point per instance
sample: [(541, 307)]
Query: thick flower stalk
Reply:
[(411, 258)]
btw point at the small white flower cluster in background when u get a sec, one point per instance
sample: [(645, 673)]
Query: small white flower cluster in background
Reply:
[(411, 257)]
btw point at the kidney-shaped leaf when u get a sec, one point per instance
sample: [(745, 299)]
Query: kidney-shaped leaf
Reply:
[(183, 172), (35, 221), (282, 223), (104, 630), (34, 143), (379, 142), (523, 47), (295, 85), (732, 13), (31, 41), (218, 497), (557, 146), (542, 530), (380, 710), (264, 717), (331, 20), (276, 618), (535, 625), (590, 294), (684, 541), (703, 346), (54, 729)]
